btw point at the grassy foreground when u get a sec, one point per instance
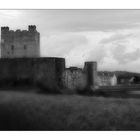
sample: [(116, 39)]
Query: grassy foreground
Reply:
[(29, 110)]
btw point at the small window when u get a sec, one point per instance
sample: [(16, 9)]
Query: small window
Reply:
[(25, 47), (12, 47)]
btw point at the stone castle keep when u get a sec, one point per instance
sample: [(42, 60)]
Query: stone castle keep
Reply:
[(21, 63), (15, 44)]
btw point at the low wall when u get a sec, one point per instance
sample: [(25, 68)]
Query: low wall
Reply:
[(74, 79), (46, 72)]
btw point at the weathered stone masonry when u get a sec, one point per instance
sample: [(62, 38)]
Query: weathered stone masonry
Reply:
[(81, 79), (15, 44), (44, 71)]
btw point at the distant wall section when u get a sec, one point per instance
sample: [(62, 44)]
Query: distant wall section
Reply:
[(81, 79), (74, 78)]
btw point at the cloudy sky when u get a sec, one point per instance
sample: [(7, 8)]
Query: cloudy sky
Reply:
[(110, 37)]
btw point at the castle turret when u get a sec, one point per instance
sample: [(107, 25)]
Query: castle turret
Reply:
[(90, 69), (32, 28), (4, 29)]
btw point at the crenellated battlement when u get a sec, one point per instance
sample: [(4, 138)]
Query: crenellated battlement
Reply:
[(31, 28), (4, 29)]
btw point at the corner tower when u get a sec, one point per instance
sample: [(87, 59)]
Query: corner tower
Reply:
[(17, 44), (91, 72)]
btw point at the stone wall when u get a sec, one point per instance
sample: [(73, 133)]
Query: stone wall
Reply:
[(46, 72), (74, 78), (81, 79)]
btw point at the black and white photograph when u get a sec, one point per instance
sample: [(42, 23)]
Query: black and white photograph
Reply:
[(70, 69)]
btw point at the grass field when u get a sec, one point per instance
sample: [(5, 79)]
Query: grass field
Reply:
[(29, 110)]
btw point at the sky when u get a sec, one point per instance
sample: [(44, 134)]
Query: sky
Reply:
[(110, 37)]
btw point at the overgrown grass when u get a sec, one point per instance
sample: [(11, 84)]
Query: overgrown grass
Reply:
[(33, 111)]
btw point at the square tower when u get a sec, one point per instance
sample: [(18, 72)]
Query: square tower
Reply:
[(19, 44)]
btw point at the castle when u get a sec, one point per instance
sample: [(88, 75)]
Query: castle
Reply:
[(15, 44), (21, 62)]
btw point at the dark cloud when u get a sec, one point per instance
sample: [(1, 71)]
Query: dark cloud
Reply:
[(123, 57), (73, 20), (90, 20), (118, 48), (116, 38), (97, 54), (60, 45)]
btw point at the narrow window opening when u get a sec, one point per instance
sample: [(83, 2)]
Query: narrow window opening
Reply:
[(25, 47), (12, 47)]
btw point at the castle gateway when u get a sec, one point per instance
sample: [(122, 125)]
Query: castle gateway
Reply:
[(19, 44)]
